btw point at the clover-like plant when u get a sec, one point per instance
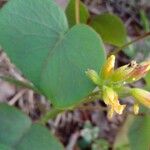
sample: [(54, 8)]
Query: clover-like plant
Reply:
[(54, 54)]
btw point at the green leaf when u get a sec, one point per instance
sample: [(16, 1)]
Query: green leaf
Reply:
[(122, 140), (36, 37), (139, 134), (18, 133), (111, 28), (5, 147), (70, 12)]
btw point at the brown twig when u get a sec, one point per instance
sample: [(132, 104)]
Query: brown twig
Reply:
[(116, 51)]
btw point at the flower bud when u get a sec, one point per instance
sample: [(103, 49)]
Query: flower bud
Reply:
[(93, 75), (121, 74), (141, 96), (108, 68), (139, 71)]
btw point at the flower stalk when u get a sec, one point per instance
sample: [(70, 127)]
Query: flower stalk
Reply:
[(77, 11)]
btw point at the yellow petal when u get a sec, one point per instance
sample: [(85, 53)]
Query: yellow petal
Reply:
[(141, 96), (110, 113), (108, 68), (110, 98), (119, 109), (136, 109), (108, 95)]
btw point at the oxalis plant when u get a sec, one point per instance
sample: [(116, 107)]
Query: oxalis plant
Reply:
[(65, 60)]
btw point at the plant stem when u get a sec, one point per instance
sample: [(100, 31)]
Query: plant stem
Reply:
[(93, 108), (49, 115), (54, 112), (77, 11), (131, 42)]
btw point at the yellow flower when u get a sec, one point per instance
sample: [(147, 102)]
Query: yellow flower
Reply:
[(108, 68), (110, 98), (141, 96), (93, 75)]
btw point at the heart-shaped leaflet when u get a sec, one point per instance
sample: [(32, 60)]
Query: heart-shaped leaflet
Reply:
[(36, 37)]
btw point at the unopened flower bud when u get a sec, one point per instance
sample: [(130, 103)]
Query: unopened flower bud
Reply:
[(121, 74), (108, 68), (139, 71), (93, 75), (141, 96)]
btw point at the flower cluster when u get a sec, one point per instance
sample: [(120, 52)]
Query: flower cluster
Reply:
[(111, 80)]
